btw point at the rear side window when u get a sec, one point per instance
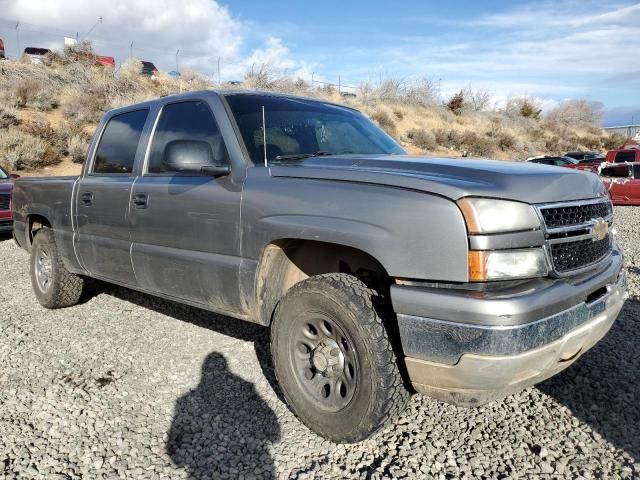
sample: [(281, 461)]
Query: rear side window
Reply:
[(191, 120), (625, 157), (117, 148)]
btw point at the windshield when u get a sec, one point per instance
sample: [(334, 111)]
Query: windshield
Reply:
[(3, 175), (296, 128)]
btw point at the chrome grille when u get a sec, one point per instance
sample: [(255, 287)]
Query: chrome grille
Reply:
[(572, 243), (561, 216), (5, 201)]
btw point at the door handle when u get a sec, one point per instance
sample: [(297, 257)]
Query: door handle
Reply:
[(87, 199), (140, 200)]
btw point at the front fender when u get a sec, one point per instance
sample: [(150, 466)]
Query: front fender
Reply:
[(412, 234)]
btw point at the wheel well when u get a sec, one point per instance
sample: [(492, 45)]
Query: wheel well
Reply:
[(35, 223), (288, 261)]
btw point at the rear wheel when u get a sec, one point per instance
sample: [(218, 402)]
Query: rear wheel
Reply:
[(53, 285), (334, 360)]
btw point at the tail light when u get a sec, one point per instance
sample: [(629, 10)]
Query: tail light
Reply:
[(1, 44)]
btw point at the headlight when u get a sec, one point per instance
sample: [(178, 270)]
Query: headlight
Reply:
[(487, 215), (507, 264)]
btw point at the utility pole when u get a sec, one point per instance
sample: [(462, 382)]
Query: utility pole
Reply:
[(177, 53), (131, 50), (18, 36), (312, 78), (339, 84), (91, 29), (219, 82)]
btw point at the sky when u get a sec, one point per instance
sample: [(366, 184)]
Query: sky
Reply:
[(549, 50)]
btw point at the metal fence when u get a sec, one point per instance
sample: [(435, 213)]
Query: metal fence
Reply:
[(630, 131)]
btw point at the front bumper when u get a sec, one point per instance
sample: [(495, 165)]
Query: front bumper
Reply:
[(468, 364)]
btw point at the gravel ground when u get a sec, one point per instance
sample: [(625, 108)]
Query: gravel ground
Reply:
[(129, 386)]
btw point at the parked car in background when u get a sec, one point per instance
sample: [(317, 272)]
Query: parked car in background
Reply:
[(593, 161), (6, 188), (580, 156), (174, 74), (106, 61), (2, 49), (549, 160), (623, 183), (630, 155), (36, 54), (149, 69), (493, 288)]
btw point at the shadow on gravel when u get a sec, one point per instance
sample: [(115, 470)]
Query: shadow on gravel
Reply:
[(5, 237), (231, 327), (602, 389), (223, 428)]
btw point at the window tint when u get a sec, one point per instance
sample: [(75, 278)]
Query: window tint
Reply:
[(117, 148), (185, 121), (625, 157)]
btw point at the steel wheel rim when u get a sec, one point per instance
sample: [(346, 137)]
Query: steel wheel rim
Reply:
[(43, 269), (324, 362)]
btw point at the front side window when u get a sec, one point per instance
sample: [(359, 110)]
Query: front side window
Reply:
[(299, 126), (190, 120), (116, 151), (3, 174)]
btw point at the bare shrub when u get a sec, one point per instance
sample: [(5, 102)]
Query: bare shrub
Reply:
[(613, 141), (523, 106), (85, 105), (477, 100), (384, 120), (399, 114), (131, 69), (8, 116), (22, 151), (34, 94), (579, 113), (77, 148), (477, 144), (456, 103), (422, 138)]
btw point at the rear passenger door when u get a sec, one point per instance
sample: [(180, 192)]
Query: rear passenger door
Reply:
[(103, 240), (185, 226)]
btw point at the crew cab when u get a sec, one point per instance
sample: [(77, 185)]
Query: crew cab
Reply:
[(6, 187), (378, 274), (623, 183)]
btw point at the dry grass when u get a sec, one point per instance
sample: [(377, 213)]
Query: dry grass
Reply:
[(51, 110)]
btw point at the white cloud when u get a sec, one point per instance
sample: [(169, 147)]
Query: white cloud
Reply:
[(203, 31)]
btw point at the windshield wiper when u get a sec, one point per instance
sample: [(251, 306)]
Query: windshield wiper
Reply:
[(300, 156)]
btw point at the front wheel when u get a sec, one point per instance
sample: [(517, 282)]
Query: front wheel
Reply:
[(334, 360), (53, 285)]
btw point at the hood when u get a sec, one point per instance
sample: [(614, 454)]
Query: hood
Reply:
[(451, 177)]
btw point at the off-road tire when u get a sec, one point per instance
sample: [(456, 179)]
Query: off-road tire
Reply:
[(65, 288), (380, 394)]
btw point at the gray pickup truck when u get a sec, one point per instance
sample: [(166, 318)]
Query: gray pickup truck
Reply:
[(378, 274)]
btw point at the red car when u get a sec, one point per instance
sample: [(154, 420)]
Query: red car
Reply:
[(623, 155), (623, 183), (6, 187)]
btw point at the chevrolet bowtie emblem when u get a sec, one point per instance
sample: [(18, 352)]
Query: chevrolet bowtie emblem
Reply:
[(599, 229)]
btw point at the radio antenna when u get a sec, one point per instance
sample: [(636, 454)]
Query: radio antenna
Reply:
[(264, 138)]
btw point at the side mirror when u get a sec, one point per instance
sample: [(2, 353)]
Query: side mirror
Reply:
[(192, 156), (13, 176)]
